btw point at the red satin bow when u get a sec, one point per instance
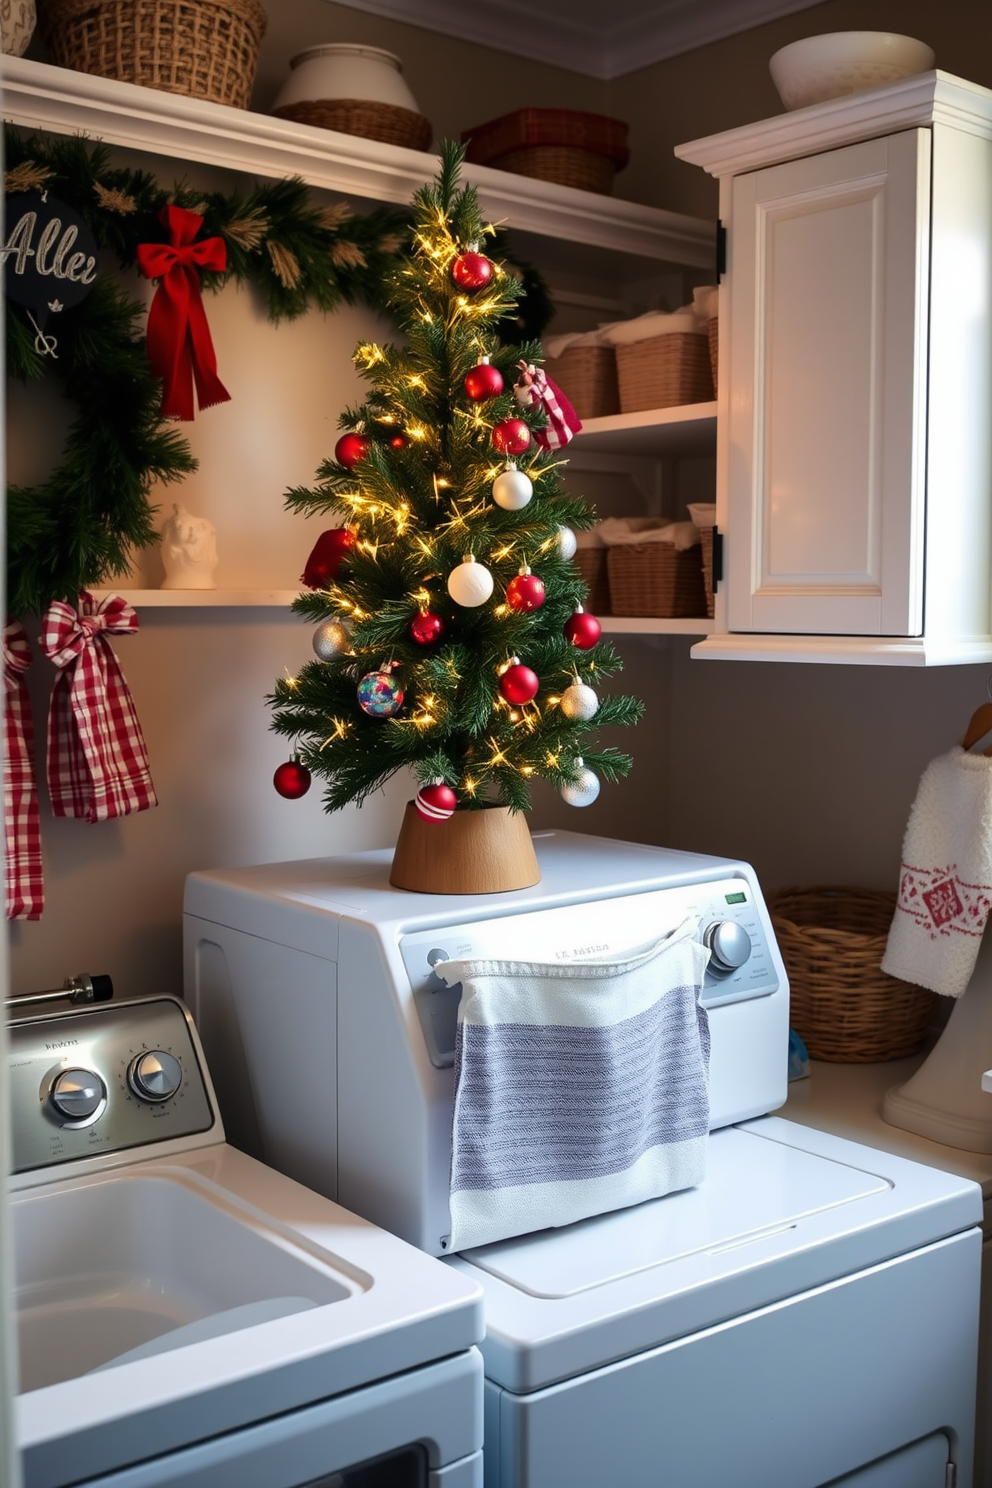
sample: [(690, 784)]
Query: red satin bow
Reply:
[(179, 345)]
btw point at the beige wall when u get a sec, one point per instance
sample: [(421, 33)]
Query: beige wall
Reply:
[(809, 771)]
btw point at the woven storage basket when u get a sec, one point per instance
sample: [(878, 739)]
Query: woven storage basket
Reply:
[(591, 563), (655, 579), (365, 117), (844, 1007), (706, 544), (566, 165), (201, 48), (663, 371), (588, 374), (713, 334)]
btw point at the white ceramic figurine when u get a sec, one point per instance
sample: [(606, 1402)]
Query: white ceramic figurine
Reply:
[(189, 551)]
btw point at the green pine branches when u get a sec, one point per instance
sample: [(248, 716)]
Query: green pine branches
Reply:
[(418, 502)]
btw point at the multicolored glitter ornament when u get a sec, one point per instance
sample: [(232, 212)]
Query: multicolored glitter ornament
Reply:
[(380, 694), (435, 802)]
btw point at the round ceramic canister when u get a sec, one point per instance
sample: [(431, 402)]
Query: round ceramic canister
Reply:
[(346, 70)]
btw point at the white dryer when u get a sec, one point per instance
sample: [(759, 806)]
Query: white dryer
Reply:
[(807, 1315)]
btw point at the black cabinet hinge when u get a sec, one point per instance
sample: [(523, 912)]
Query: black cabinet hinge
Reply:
[(721, 251), (717, 557)]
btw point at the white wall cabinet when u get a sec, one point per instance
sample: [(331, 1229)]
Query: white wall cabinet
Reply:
[(854, 461)]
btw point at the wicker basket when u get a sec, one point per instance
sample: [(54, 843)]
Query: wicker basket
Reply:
[(844, 1007), (588, 374), (591, 563), (713, 334), (566, 165), (663, 371), (369, 119), (201, 48), (655, 578), (706, 544)]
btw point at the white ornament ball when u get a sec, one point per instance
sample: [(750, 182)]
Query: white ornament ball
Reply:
[(567, 542), (331, 639), (512, 490), (583, 791), (470, 584), (580, 703)]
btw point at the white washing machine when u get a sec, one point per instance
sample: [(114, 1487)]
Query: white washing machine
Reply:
[(807, 1315), (189, 1317)]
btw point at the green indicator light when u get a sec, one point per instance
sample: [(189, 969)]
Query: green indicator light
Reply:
[(735, 898)]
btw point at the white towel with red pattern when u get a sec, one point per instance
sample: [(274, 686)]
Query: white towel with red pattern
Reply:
[(945, 880)]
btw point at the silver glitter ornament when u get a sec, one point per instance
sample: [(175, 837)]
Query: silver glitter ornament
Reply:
[(331, 639), (583, 790), (567, 542), (579, 703)]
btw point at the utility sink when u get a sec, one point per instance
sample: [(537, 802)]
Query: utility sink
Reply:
[(125, 1266)]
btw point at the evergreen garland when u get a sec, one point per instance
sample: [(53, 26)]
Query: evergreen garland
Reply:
[(415, 512), (79, 528)]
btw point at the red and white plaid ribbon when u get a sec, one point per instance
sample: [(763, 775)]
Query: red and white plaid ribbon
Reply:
[(25, 887), (97, 763), (536, 390)]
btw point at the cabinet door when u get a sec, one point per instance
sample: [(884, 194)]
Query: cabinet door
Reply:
[(826, 430)]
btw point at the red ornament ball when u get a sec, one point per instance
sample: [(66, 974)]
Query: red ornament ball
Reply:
[(518, 684), (292, 779), (582, 630), (426, 628), (326, 557), (472, 271), (511, 437), (484, 381), (436, 802), (351, 448), (398, 442), (525, 593)]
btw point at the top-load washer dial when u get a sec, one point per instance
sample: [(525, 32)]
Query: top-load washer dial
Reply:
[(729, 945), (78, 1095), (155, 1075)]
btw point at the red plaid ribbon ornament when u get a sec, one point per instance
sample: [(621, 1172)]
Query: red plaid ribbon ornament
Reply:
[(179, 345), (536, 390), (97, 764), (25, 887)]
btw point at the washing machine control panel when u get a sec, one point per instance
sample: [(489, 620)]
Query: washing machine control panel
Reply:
[(104, 1079), (727, 912)]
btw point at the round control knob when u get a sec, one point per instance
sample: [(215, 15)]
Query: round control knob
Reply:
[(729, 945), (155, 1076), (77, 1094)]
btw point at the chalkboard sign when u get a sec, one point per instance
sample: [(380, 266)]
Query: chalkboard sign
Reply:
[(49, 258)]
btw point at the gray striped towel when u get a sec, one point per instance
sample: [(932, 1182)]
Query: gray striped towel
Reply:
[(580, 1086)]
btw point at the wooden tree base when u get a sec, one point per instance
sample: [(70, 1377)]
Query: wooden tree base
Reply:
[(473, 852)]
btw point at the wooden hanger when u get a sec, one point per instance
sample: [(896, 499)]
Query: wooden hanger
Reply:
[(979, 725)]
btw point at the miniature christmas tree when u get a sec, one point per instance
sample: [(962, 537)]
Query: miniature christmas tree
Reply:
[(450, 634)]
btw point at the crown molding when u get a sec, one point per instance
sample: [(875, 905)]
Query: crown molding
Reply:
[(634, 34)]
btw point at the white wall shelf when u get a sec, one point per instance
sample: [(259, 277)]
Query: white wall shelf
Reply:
[(689, 429), (39, 96)]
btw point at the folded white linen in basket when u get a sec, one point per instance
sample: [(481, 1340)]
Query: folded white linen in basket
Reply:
[(580, 1087), (945, 881)]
